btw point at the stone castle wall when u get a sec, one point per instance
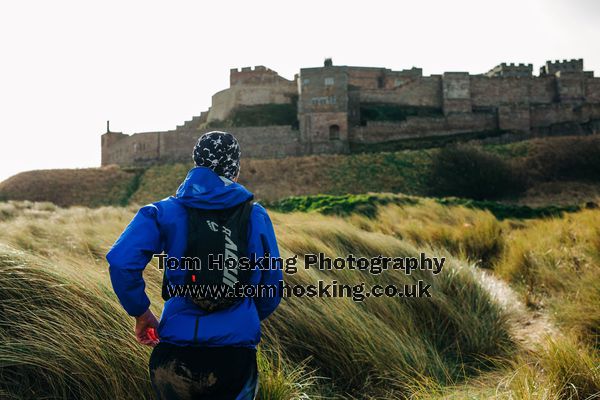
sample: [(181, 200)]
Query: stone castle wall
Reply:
[(508, 99), (147, 148), (417, 91), (422, 127), (249, 87)]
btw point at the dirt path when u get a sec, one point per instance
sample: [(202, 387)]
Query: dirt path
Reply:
[(528, 328)]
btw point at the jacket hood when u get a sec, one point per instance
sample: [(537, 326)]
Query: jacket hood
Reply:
[(203, 188)]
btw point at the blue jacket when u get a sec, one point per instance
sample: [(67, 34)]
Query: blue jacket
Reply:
[(162, 226)]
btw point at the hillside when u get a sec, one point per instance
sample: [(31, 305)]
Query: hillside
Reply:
[(481, 335), (92, 187), (561, 170)]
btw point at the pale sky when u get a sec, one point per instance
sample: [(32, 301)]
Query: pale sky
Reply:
[(68, 66)]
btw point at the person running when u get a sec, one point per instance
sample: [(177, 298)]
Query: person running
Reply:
[(204, 344)]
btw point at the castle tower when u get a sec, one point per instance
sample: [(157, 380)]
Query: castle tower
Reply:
[(570, 79), (551, 68), (323, 108), (108, 141)]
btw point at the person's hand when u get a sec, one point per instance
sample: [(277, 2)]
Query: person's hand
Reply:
[(145, 329)]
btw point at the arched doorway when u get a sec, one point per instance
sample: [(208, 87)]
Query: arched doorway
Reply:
[(334, 132)]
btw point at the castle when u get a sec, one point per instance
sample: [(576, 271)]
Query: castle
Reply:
[(343, 109)]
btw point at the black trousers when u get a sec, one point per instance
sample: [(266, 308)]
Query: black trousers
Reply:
[(203, 373)]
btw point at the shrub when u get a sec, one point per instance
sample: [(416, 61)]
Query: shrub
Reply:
[(469, 171), (503, 210), (365, 204), (565, 158)]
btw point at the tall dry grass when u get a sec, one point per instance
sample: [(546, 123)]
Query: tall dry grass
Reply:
[(475, 235), (64, 334), (385, 340), (556, 264), (558, 369), (561, 369)]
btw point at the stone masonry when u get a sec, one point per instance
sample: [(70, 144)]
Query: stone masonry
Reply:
[(336, 107)]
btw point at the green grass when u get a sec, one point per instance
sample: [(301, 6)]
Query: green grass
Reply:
[(510, 150), (366, 204), (383, 172), (158, 182)]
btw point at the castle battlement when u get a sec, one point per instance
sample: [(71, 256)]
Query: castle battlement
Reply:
[(552, 67), (248, 69), (520, 70), (337, 108), (258, 74)]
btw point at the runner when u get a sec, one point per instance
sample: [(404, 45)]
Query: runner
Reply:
[(205, 348)]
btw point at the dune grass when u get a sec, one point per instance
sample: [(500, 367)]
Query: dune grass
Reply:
[(555, 264), (64, 335), (69, 320), (562, 369), (558, 369), (385, 340)]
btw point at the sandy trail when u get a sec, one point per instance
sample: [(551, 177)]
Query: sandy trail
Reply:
[(527, 327)]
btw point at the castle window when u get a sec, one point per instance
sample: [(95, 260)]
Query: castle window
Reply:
[(328, 81), (380, 82), (323, 100), (305, 81), (334, 132)]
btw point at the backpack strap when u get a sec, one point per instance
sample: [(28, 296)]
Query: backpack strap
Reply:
[(246, 211), (245, 219), (164, 292)]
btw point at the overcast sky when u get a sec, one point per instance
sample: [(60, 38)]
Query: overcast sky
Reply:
[(68, 66)]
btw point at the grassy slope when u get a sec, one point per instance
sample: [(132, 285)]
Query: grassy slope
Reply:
[(270, 180), (394, 172), (91, 187), (381, 348), (335, 174)]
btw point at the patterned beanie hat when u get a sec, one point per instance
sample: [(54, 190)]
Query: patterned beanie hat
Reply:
[(219, 151)]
